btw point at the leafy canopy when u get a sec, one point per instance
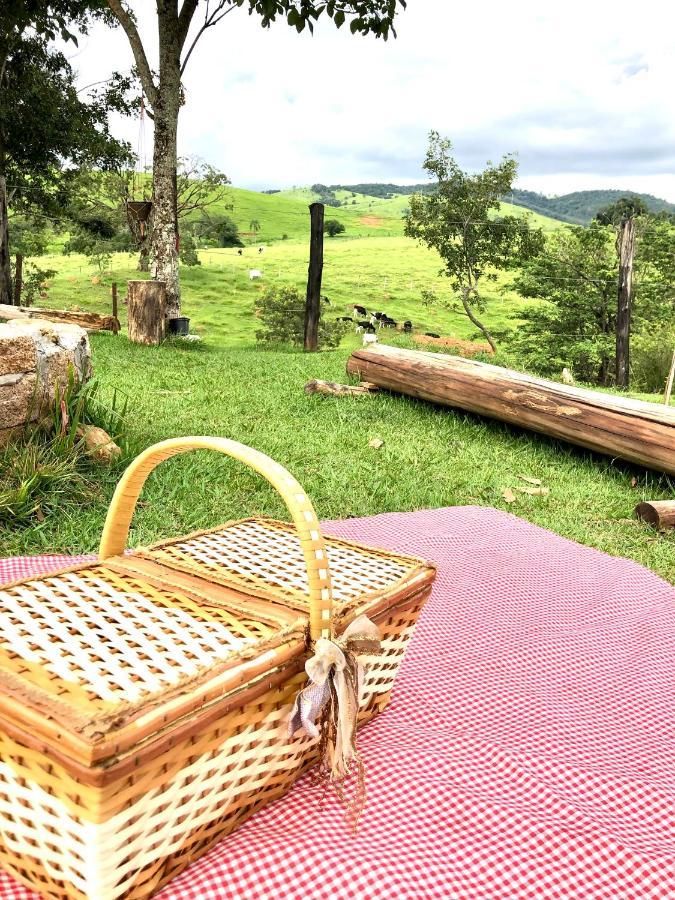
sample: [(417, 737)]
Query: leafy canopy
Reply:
[(457, 219)]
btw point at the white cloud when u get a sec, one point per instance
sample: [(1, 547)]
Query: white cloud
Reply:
[(582, 91)]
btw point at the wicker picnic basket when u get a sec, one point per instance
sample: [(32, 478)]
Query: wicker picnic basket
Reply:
[(145, 697)]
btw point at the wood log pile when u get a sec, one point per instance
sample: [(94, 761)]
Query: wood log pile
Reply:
[(89, 320), (634, 430)]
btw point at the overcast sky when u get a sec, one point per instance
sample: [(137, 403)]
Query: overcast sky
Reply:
[(582, 91)]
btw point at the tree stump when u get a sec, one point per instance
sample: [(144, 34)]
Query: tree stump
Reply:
[(146, 311)]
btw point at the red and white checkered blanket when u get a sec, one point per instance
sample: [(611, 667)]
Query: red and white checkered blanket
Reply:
[(529, 751)]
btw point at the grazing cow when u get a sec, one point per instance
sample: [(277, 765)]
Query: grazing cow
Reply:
[(360, 311), (364, 325), (369, 338), (431, 334), (344, 319), (407, 326), (388, 323), (261, 249), (240, 252), (567, 377), (254, 273)]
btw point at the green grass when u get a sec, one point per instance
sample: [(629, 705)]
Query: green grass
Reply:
[(431, 457), (380, 273)]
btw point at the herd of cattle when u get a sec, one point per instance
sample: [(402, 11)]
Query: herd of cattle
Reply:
[(367, 323)]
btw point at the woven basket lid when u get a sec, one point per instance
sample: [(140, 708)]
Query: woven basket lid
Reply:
[(263, 558), (109, 652)]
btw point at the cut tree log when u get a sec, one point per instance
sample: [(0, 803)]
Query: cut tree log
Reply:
[(339, 390), (146, 311), (89, 320), (660, 513), (634, 430)]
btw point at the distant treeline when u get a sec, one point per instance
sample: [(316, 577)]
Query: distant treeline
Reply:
[(577, 208)]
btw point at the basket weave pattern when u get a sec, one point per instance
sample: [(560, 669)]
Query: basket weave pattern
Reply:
[(191, 741)]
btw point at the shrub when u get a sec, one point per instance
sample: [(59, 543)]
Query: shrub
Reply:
[(282, 314), (332, 227), (651, 356)]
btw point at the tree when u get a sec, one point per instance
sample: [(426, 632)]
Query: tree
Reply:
[(456, 219), (164, 91), (332, 227), (46, 128), (622, 215), (254, 226), (574, 327), (576, 277)]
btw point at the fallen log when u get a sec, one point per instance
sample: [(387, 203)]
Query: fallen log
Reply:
[(660, 513), (316, 386), (634, 430), (89, 320)]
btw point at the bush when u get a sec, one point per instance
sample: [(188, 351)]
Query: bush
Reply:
[(651, 356), (282, 314), (331, 227)]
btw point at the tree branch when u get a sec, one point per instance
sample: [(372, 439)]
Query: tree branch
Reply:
[(129, 26), (210, 19)]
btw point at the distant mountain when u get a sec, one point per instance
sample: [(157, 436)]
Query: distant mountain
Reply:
[(578, 208)]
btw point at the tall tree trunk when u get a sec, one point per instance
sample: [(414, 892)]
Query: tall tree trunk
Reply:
[(625, 245), (164, 243), (6, 294)]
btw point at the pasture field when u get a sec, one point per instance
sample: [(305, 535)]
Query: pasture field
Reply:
[(386, 274)]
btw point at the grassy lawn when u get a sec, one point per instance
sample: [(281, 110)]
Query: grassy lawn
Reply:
[(431, 457)]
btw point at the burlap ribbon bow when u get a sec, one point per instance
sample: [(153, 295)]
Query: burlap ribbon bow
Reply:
[(328, 707)]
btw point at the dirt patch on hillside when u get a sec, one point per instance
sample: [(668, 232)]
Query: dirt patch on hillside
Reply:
[(373, 221), (463, 348)]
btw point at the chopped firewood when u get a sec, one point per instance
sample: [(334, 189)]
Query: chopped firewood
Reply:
[(331, 387), (660, 513)]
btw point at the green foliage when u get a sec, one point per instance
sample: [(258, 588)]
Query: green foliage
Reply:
[(576, 277), (457, 220), (29, 235), (34, 477), (651, 355), (49, 464), (35, 283), (624, 208), (217, 231), (282, 314), (332, 227), (188, 251), (365, 16), (326, 195)]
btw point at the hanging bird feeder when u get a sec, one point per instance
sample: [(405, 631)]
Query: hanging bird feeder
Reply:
[(139, 210)]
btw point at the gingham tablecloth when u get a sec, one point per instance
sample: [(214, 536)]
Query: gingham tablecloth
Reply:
[(529, 751)]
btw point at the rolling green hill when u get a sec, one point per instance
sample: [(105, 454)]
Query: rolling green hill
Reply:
[(577, 208), (285, 213)]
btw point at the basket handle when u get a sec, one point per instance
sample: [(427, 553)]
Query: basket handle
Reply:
[(123, 504)]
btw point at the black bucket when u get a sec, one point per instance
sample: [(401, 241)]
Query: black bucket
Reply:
[(180, 325)]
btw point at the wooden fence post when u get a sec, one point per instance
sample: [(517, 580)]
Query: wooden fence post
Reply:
[(313, 302), (626, 246), (146, 311), (18, 279)]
